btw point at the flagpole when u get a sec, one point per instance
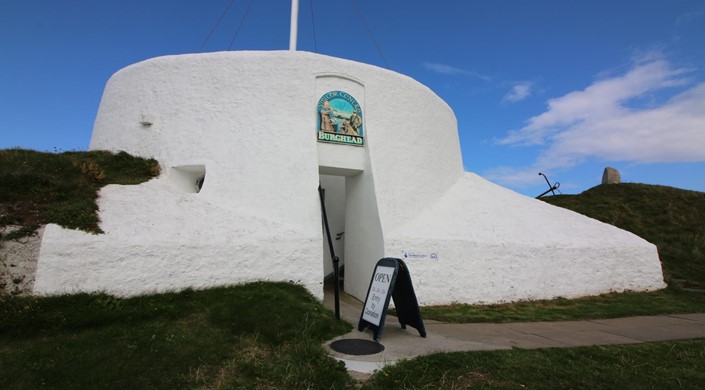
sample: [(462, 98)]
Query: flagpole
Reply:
[(294, 24)]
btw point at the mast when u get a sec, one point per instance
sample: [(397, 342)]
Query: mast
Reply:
[(294, 24)]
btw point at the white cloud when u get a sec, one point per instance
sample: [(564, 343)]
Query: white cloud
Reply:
[(453, 71), (689, 17), (599, 122), (513, 177), (603, 100), (518, 92), (672, 132), (443, 69)]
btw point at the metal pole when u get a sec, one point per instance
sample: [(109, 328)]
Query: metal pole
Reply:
[(549, 186), (336, 260), (546, 192), (293, 32)]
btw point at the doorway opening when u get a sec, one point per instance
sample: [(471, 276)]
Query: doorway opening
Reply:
[(356, 232), (334, 198)]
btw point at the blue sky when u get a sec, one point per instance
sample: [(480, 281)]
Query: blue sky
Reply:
[(561, 87)]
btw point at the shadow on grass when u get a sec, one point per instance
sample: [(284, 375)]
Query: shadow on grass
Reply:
[(249, 336)]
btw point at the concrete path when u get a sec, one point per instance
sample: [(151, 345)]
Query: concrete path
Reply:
[(444, 337)]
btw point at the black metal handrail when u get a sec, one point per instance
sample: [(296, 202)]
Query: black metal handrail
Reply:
[(336, 260)]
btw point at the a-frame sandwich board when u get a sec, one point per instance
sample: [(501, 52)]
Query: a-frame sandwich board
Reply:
[(390, 279)]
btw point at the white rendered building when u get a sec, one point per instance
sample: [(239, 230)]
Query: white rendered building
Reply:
[(248, 126)]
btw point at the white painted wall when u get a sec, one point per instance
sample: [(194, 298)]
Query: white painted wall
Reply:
[(494, 245), (334, 187), (364, 241), (158, 238), (249, 119), (258, 216)]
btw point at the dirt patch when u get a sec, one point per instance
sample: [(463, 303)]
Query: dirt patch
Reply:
[(18, 262)]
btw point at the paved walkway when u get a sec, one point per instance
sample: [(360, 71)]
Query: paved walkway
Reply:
[(444, 337)]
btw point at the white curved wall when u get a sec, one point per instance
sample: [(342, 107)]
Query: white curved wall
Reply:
[(249, 119), (494, 245)]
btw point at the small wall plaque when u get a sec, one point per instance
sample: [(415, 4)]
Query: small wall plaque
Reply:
[(340, 119)]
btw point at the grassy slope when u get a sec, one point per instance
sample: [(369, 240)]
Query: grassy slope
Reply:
[(668, 217), (644, 366), (268, 336), (38, 188), (260, 335), (265, 335), (671, 218)]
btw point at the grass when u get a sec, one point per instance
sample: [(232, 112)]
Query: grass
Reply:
[(259, 335), (614, 305), (268, 336), (670, 218), (665, 365), (37, 188)]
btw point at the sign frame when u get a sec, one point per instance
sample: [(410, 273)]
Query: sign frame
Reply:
[(399, 288), (340, 119)]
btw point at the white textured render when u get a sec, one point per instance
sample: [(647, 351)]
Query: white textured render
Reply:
[(518, 248), (247, 121)]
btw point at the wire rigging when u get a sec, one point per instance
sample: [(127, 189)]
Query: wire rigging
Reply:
[(242, 21), (216, 25), (313, 23), (369, 32)]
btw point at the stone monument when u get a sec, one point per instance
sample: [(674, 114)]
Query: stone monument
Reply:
[(611, 176)]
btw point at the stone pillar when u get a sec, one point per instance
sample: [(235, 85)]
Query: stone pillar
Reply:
[(611, 176)]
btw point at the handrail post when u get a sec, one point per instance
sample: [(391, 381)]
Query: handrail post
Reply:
[(336, 260)]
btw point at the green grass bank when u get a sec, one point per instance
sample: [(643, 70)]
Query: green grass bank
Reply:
[(269, 335), (259, 335), (37, 188), (671, 218)]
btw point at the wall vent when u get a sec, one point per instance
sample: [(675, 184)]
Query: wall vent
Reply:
[(188, 178)]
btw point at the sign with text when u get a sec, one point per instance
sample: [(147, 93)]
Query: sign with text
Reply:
[(390, 280), (409, 255), (374, 304), (339, 119)]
